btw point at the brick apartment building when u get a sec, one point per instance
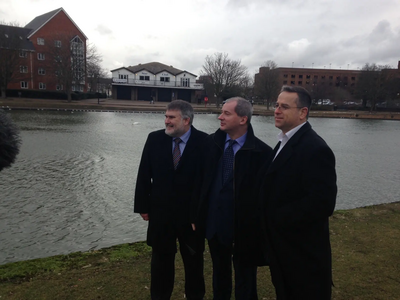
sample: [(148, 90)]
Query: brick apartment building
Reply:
[(47, 50)]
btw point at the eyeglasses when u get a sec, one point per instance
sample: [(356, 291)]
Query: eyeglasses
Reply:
[(284, 107)]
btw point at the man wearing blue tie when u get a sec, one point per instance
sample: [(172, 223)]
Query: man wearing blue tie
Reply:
[(228, 209), (163, 196)]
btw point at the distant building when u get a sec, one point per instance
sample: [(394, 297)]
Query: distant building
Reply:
[(41, 48), (320, 82), (154, 81)]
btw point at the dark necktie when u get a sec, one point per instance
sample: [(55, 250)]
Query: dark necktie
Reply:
[(176, 154), (227, 161)]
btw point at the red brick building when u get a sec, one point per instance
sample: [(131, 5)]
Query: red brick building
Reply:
[(322, 83), (51, 48)]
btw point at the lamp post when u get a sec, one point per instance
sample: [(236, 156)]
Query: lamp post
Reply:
[(98, 93)]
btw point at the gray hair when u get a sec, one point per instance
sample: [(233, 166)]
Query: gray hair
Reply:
[(184, 107), (243, 107)]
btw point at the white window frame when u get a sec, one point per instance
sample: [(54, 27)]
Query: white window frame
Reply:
[(41, 71), (42, 86), (23, 69), (123, 76), (59, 87), (40, 41), (41, 56), (24, 84), (57, 43), (23, 54)]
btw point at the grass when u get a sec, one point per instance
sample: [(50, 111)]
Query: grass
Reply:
[(366, 265)]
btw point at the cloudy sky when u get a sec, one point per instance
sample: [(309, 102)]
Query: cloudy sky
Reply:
[(337, 34)]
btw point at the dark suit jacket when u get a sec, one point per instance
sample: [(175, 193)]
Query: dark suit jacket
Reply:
[(299, 195), (248, 161), (163, 192)]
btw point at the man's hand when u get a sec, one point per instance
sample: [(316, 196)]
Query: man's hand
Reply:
[(194, 227), (145, 216)]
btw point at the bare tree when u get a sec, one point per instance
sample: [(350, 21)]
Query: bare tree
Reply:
[(374, 83), (224, 74), (10, 47), (266, 84), (67, 61), (93, 67)]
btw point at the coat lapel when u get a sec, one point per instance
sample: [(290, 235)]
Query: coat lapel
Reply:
[(287, 150)]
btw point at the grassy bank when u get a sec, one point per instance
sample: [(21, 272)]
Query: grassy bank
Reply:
[(366, 265)]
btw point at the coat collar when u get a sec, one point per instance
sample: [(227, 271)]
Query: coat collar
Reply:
[(287, 150), (220, 137)]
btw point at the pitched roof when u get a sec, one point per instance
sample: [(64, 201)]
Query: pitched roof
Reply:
[(15, 37), (42, 20), (155, 68)]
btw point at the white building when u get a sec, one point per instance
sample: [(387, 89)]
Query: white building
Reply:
[(154, 81)]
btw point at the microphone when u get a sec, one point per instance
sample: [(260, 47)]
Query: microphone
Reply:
[(10, 141)]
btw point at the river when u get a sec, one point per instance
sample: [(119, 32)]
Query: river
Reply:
[(72, 186)]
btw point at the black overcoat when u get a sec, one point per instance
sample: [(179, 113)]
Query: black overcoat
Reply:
[(163, 192), (248, 161), (299, 194)]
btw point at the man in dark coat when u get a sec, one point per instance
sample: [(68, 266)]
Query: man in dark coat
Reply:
[(228, 207), (299, 194), (163, 196)]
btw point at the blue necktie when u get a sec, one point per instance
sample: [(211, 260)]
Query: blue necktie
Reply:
[(176, 154), (227, 161)]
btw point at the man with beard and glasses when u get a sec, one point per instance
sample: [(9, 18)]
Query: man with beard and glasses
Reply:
[(163, 197)]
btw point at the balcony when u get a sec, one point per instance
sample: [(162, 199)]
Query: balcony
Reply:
[(158, 83)]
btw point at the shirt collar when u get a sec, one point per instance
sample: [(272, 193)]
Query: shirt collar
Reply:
[(185, 137), (285, 137), (239, 140)]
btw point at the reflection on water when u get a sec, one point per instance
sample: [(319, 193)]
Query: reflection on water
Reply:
[(72, 186)]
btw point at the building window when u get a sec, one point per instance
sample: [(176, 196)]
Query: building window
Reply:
[(122, 76), (337, 77), (330, 77), (57, 59), (23, 69), (24, 84), (57, 44), (285, 76), (41, 71), (307, 82), (315, 76), (300, 83), (23, 54), (293, 76), (59, 87), (40, 56), (300, 76), (323, 77), (146, 78), (353, 78), (42, 86), (308, 76), (165, 79), (185, 82), (40, 41), (292, 82), (285, 82)]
